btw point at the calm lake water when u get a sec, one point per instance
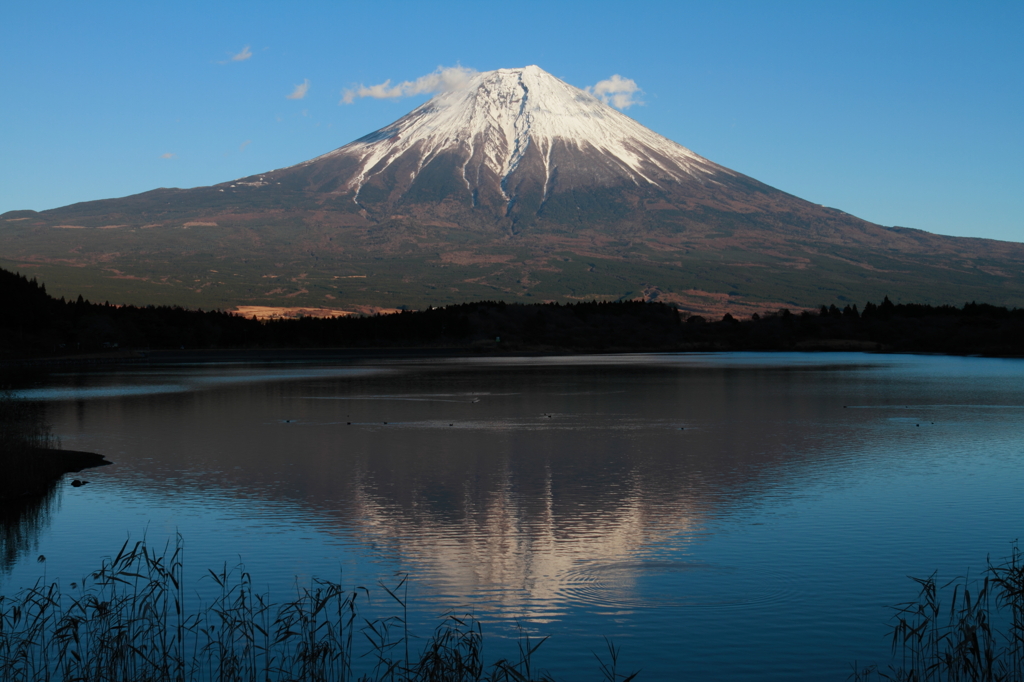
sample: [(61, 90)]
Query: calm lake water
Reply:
[(722, 516)]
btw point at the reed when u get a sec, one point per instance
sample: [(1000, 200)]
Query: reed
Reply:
[(977, 636), (130, 621), (23, 424)]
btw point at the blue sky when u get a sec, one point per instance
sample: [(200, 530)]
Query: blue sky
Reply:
[(902, 113)]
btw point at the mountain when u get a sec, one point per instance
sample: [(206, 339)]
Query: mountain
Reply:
[(513, 147), (516, 186)]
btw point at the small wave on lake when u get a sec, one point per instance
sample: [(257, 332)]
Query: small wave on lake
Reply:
[(626, 585)]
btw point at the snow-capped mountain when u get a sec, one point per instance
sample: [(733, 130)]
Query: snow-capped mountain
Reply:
[(516, 185), (515, 126), (506, 142)]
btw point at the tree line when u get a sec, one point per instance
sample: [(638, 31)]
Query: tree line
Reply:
[(35, 324)]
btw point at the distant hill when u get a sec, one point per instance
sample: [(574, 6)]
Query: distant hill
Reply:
[(517, 186)]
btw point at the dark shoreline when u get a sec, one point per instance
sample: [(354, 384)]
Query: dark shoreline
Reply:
[(52, 465), (357, 355)]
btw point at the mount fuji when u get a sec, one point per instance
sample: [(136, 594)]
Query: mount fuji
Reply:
[(506, 144), (514, 186)]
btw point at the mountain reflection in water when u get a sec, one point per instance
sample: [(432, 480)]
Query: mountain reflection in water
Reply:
[(499, 479), (601, 496)]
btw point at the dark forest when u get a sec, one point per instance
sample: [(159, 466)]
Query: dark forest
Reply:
[(37, 326)]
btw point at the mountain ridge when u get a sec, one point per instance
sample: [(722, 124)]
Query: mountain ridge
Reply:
[(516, 185)]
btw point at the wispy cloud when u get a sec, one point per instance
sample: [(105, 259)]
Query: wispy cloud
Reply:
[(300, 90), (617, 91), (245, 144), (444, 79), (243, 55), (168, 155)]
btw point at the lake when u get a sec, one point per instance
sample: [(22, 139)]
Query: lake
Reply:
[(737, 516)]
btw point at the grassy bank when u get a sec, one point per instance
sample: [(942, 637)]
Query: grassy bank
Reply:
[(25, 439), (31, 458)]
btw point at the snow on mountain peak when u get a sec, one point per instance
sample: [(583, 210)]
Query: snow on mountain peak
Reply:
[(499, 118)]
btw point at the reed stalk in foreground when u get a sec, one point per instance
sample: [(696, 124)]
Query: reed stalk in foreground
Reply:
[(978, 637), (128, 622)]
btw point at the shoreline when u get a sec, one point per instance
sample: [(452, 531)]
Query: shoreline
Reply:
[(261, 355), (52, 465), (284, 355)]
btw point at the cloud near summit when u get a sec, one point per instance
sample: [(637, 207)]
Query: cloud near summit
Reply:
[(443, 79), (617, 91)]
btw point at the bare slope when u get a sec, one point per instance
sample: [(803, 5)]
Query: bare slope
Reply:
[(515, 186)]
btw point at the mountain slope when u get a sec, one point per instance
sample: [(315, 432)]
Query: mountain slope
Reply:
[(517, 185)]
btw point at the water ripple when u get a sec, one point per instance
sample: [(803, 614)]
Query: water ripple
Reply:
[(673, 583)]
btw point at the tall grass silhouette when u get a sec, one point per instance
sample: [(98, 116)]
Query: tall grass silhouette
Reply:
[(976, 636), (129, 622)]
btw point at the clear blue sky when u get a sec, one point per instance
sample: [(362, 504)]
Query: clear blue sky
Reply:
[(902, 113)]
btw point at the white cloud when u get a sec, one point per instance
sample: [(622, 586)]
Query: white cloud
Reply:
[(168, 155), (243, 55), (245, 144), (300, 90), (444, 79), (617, 91)]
